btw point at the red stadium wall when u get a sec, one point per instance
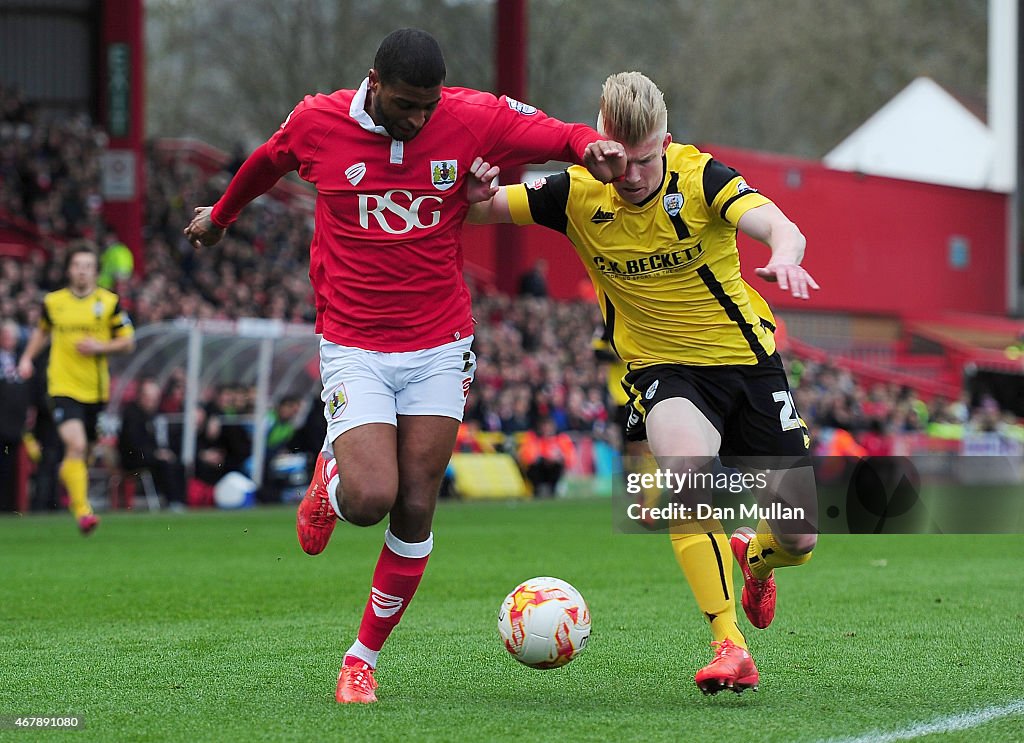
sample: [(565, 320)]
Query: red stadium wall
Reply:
[(878, 245)]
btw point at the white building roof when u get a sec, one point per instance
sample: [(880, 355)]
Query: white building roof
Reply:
[(922, 134)]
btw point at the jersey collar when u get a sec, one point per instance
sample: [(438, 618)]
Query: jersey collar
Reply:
[(358, 112), (661, 186)]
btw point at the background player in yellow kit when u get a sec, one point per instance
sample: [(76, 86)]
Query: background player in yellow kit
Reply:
[(703, 374), (85, 323)]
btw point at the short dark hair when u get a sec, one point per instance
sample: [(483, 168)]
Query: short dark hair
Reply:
[(80, 247), (411, 56)]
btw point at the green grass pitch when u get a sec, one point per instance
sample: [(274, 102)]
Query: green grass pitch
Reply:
[(214, 626)]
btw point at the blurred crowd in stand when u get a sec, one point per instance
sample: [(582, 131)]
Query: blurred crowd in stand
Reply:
[(540, 392)]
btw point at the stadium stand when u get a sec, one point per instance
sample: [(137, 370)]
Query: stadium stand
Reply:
[(873, 384)]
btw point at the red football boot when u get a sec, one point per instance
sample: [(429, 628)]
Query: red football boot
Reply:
[(758, 597), (356, 684), (315, 519), (87, 524), (732, 669)]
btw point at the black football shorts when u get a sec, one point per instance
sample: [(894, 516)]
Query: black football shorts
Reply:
[(751, 406), (66, 409)]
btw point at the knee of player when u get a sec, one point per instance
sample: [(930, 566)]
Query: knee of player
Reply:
[(365, 505), (75, 451), (363, 514), (798, 544)]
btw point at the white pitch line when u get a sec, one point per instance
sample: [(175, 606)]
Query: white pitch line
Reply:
[(949, 724)]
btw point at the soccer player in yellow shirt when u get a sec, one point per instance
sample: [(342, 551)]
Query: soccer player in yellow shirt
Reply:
[(703, 375), (84, 323)]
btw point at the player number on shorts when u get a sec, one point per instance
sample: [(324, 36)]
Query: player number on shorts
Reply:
[(787, 416)]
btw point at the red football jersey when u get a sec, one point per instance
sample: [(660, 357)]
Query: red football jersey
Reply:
[(386, 257)]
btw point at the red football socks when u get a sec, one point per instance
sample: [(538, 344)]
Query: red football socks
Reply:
[(395, 580)]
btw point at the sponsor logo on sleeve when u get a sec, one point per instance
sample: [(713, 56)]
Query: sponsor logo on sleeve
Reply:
[(742, 187)]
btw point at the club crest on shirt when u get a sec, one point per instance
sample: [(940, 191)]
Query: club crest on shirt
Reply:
[(443, 173), (355, 173), (337, 402), (673, 203)]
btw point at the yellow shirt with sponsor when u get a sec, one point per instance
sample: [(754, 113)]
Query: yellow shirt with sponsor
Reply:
[(667, 271), (70, 318)]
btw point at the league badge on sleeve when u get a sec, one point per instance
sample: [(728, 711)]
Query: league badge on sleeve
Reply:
[(443, 173), (519, 107)]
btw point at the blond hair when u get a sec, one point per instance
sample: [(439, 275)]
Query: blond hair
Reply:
[(632, 108)]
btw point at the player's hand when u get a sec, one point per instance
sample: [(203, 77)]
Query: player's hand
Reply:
[(26, 368), (605, 159), (790, 277), (201, 230), (89, 347), (481, 186)]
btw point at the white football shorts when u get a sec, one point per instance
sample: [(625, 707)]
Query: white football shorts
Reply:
[(363, 386)]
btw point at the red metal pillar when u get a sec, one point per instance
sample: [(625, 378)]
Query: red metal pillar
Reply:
[(22, 466), (510, 44), (122, 106)]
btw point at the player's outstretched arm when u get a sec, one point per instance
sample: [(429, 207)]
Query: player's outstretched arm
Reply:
[(605, 159), (488, 203), (201, 231), (481, 185), (257, 175), (768, 224)]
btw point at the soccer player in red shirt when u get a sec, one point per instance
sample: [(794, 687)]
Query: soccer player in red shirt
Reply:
[(390, 162)]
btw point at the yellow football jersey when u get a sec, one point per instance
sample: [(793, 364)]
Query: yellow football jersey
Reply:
[(69, 319), (601, 344), (667, 271)]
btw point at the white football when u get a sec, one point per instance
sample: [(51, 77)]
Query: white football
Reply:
[(544, 623)]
